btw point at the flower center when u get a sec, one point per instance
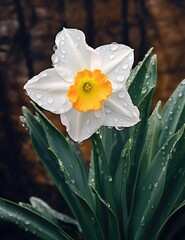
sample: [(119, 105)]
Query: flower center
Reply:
[(87, 87), (89, 90)]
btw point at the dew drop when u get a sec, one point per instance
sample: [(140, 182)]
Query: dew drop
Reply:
[(116, 119), (38, 95), (119, 128), (98, 114), (108, 110), (44, 74), (114, 46), (120, 78), (144, 90), (54, 48), (108, 205), (125, 104), (27, 222), (109, 178), (125, 66), (183, 82), (50, 100), (121, 94), (40, 103), (180, 94), (142, 223), (54, 58), (93, 220), (114, 86), (147, 75), (156, 184), (112, 56)]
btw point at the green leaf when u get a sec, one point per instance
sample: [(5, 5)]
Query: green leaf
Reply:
[(74, 167), (173, 113), (150, 191), (120, 186), (138, 132), (150, 147), (174, 184), (140, 84), (43, 209), (137, 75), (102, 185), (30, 221), (79, 207), (174, 224)]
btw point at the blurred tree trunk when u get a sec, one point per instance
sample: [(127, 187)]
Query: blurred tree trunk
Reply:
[(27, 32)]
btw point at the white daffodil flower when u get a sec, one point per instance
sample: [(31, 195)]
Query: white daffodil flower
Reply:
[(86, 85)]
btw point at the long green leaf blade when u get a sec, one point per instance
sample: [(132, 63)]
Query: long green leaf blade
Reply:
[(30, 221)]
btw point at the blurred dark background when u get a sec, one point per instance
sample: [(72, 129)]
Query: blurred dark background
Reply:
[(27, 33)]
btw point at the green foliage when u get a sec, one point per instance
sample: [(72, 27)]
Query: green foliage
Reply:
[(134, 188)]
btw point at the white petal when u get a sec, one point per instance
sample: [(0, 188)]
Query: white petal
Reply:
[(49, 90), (120, 111), (82, 125), (73, 54), (117, 61)]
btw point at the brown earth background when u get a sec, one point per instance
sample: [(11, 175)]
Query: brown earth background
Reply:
[(27, 33)]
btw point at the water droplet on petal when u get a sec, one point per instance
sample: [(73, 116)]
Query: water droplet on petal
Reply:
[(111, 56), (38, 95), (119, 128), (44, 74), (125, 66), (116, 119), (54, 58), (121, 94), (40, 103), (108, 110), (114, 46), (50, 100), (98, 114), (120, 78), (54, 48)]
